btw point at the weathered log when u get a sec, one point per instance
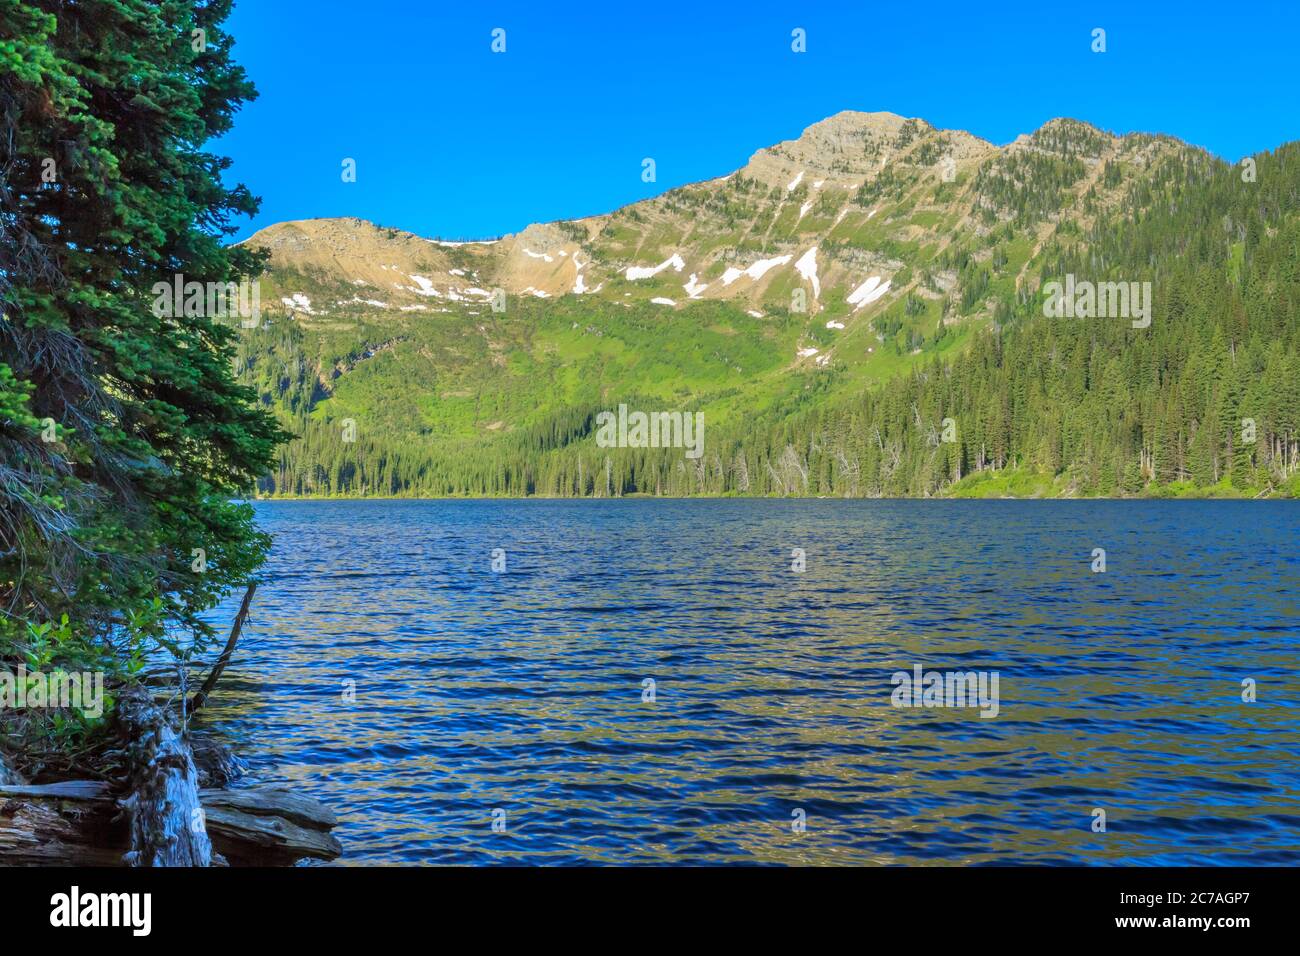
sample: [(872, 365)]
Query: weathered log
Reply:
[(273, 802), (256, 826), (267, 825), (259, 838), (66, 789), (168, 821), (49, 832), (164, 800)]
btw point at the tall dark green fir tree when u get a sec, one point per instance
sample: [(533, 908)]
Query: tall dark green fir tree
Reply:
[(123, 434)]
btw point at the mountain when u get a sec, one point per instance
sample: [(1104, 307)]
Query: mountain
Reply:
[(795, 303)]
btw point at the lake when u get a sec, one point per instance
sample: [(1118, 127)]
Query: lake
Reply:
[(455, 714)]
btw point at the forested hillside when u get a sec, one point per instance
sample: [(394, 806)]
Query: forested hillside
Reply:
[(948, 379), (124, 437)]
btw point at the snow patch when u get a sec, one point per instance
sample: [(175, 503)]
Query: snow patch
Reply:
[(693, 288), (579, 283), (425, 286), (794, 182), (868, 292), (538, 255), (832, 324), (300, 302), (807, 266), (805, 353), (647, 272), (660, 300), (755, 271)]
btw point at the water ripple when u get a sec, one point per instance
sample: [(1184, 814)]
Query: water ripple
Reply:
[(522, 691)]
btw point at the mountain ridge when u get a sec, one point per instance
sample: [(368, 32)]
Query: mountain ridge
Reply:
[(863, 256), (710, 179), (821, 172)]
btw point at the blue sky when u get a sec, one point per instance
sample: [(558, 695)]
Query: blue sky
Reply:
[(454, 141)]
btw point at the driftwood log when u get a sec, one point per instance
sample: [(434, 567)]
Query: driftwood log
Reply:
[(48, 832), (163, 818), (54, 824), (163, 804), (269, 825), (71, 789), (78, 823)]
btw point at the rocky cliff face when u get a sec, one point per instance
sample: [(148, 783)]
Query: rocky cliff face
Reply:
[(839, 212)]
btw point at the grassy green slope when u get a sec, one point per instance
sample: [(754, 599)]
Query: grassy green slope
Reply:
[(462, 399)]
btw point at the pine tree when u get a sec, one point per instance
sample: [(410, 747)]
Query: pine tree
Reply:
[(124, 433)]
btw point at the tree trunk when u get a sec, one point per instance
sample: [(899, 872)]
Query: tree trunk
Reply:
[(166, 821)]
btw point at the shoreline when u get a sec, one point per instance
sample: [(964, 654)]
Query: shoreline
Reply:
[(643, 497)]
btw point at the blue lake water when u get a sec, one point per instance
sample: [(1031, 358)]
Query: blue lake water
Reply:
[(523, 690)]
